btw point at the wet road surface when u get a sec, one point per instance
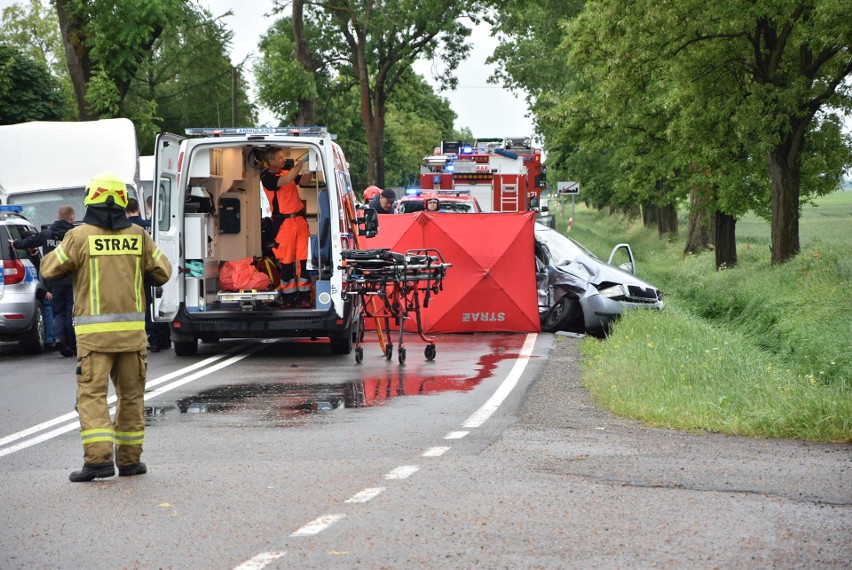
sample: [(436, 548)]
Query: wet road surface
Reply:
[(289, 457)]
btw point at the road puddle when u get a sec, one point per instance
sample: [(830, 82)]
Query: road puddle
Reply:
[(292, 399)]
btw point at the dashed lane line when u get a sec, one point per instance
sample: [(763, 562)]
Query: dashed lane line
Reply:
[(402, 472), (435, 451), (318, 525), (365, 495), (456, 434), (260, 561)]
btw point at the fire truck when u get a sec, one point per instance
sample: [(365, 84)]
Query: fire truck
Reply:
[(504, 175)]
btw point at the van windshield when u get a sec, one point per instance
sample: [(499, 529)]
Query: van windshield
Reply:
[(40, 207)]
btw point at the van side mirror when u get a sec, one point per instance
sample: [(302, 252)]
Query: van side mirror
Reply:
[(368, 222)]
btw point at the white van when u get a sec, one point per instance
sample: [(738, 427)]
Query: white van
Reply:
[(208, 210), (45, 164)]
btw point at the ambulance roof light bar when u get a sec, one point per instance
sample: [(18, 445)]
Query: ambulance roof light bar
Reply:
[(314, 131)]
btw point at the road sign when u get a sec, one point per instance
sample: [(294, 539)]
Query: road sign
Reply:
[(570, 188)]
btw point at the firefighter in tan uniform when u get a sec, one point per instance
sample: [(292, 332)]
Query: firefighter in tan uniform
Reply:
[(111, 261)]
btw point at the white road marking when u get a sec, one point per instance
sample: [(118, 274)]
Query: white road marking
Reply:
[(435, 451), (260, 561), (365, 495), (206, 369), (456, 434), (481, 415), (316, 526), (403, 472)]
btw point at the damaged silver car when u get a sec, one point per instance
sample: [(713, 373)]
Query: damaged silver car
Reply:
[(578, 292)]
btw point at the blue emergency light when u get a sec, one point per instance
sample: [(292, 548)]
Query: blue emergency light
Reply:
[(12, 208)]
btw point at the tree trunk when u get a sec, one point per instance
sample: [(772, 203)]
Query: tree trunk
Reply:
[(377, 151), (76, 55), (785, 176), (726, 240), (306, 114), (668, 221), (699, 232), (650, 215)]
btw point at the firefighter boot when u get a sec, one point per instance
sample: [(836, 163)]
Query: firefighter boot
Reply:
[(133, 469), (92, 471)]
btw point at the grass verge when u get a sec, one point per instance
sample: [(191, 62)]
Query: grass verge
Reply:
[(752, 350)]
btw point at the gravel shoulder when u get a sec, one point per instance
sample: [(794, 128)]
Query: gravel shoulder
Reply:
[(626, 494)]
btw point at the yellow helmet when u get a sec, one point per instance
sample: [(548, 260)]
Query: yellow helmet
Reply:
[(104, 186)]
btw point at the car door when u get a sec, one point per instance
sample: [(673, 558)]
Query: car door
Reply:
[(166, 225)]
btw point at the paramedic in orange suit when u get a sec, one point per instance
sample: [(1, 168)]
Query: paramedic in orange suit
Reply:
[(291, 228)]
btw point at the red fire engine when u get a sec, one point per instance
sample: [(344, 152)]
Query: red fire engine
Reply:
[(504, 175)]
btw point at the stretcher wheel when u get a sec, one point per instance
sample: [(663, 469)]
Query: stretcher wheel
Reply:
[(402, 356), (430, 352), (389, 352), (359, 355)]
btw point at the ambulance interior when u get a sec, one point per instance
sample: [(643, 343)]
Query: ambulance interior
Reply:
[(224, 214)]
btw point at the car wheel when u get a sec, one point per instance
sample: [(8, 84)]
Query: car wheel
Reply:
[(186, 347), (34, 339), (342, 344), (560, 315)]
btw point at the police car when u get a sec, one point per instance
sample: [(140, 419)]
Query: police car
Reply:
[(21, 312)]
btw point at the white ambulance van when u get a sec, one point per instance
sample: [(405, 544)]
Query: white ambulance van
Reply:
[(209, 210)]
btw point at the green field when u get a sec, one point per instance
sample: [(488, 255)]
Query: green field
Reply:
[(752, 350)]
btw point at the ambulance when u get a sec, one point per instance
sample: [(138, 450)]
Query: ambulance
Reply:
[(210, 209)]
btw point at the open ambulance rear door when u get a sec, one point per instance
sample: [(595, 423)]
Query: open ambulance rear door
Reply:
[(165, 223)]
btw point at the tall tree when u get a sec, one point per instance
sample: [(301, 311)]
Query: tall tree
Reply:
[(27, 90), (105, 43), (750, 91), (375, 42), (185, 80)]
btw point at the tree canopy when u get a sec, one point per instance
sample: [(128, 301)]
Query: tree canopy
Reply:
[(743, 99), (373, 43), (166, 71), (27, 90)]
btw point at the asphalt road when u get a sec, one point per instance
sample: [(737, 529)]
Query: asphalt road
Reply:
[(288, 457)]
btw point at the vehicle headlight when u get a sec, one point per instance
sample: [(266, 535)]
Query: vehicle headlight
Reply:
[(613, 292)]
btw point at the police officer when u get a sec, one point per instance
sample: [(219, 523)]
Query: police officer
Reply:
[(111, 261), (61, 291)]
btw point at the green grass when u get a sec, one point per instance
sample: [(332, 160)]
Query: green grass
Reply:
[(753, 350)]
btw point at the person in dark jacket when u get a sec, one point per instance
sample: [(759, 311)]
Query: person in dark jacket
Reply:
[(61, 290), (383, 203), (134, 216)]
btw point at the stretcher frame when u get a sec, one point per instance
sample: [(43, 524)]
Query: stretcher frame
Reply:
[(389, 286)]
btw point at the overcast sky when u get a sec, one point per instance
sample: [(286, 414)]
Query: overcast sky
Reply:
[(488, 110)]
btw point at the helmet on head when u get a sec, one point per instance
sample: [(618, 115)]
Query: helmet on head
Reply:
[(430, 197), (371, 191), (105, 190)]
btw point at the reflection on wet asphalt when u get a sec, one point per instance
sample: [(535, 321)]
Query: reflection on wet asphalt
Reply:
[(463, 365)]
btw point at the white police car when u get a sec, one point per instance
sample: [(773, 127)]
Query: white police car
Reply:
[(21, 312)]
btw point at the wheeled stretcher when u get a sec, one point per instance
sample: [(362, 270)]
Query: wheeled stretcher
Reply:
[(389, 285)]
